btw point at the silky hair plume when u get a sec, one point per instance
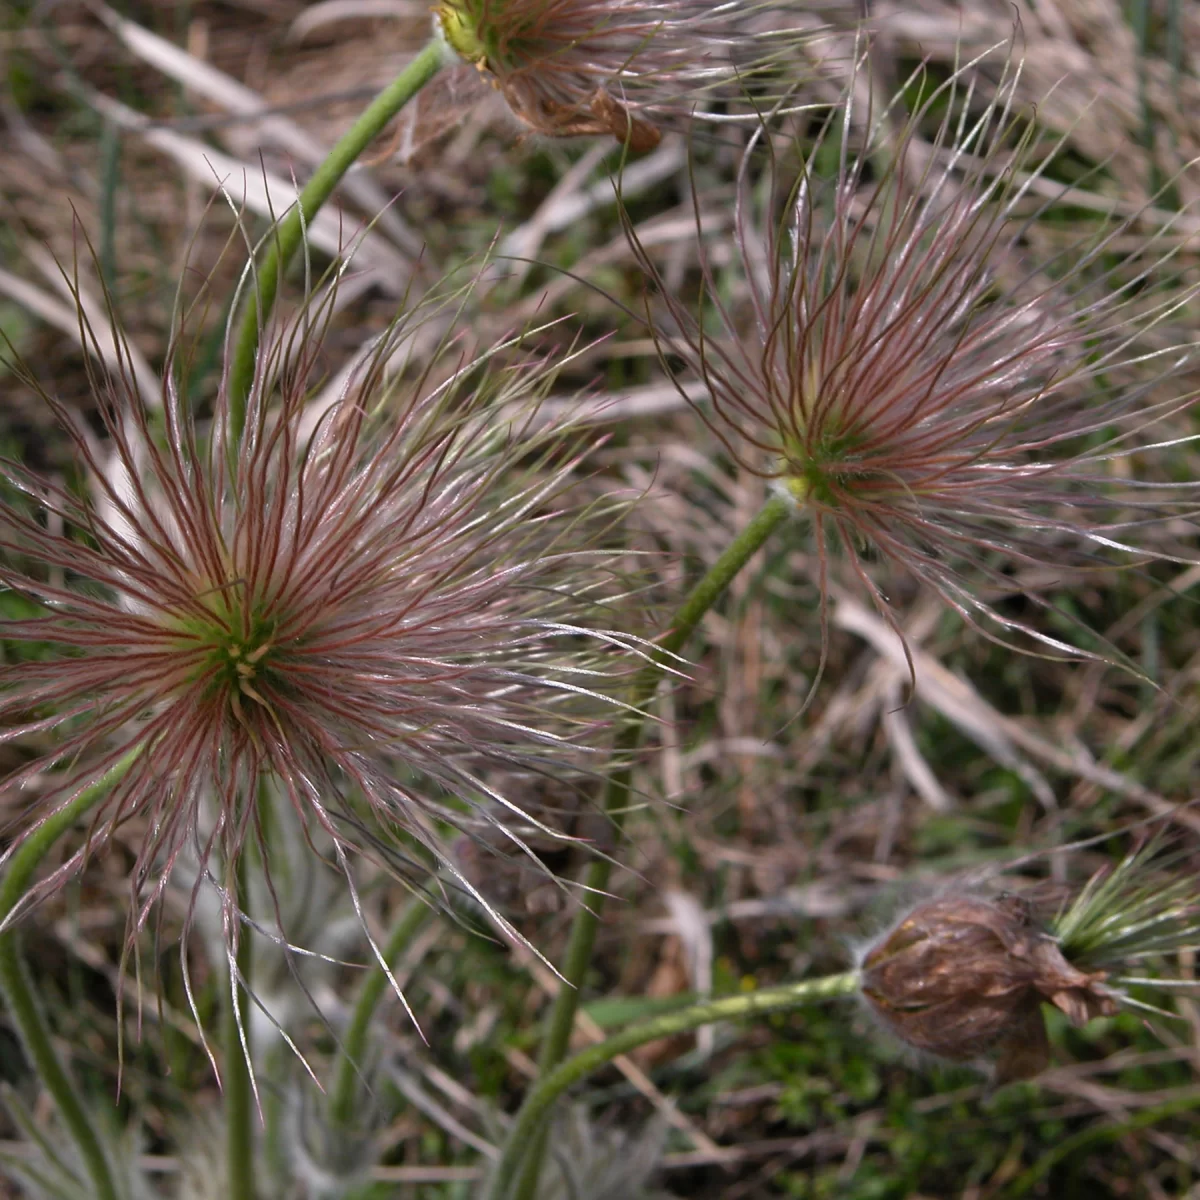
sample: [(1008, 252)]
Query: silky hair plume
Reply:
[(932, 396), (628, 68), (364, 609)]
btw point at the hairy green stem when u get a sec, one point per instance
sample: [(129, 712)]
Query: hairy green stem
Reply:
[(287, 236), (616, 800), (241, 1112), (747, 1004), (21, 998), (354, 1043), (25, 1008)]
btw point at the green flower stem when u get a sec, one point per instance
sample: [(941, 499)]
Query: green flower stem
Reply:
[(551, 1086), (616, 799), (288, 234), (21, 998), (241, 1111), (354, 1043), (25, 1007)]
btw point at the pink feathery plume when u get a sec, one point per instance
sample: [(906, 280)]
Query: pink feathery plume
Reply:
[(371, 611), (931, 395), (627, 67)]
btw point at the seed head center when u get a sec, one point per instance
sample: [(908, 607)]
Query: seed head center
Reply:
[(242, 664), (822, 461), (245, 660)]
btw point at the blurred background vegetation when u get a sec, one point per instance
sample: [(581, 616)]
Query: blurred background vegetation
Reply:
[(768, 844)]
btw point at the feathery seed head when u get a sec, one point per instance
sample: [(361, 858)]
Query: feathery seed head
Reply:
[(620, 67), (354, 611), (920, 387)]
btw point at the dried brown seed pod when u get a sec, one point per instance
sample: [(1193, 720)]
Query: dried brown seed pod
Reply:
[(963, 978)]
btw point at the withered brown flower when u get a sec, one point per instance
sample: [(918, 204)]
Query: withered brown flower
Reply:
[(964, 978)]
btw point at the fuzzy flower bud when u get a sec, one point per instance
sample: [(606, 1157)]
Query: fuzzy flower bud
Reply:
[(963, 979), (619, 67)]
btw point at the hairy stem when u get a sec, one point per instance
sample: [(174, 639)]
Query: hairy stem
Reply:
[(21, 998), (354, 1044), (551, 1086), (288, 234), (241, 1112), (25, 1008), (616, 802)]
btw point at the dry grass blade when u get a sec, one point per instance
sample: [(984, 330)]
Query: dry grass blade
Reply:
[(205, 80), (268, 196)]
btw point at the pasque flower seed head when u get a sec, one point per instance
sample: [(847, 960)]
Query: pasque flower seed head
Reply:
[(362, 608), (623, 67), (922, 388)]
